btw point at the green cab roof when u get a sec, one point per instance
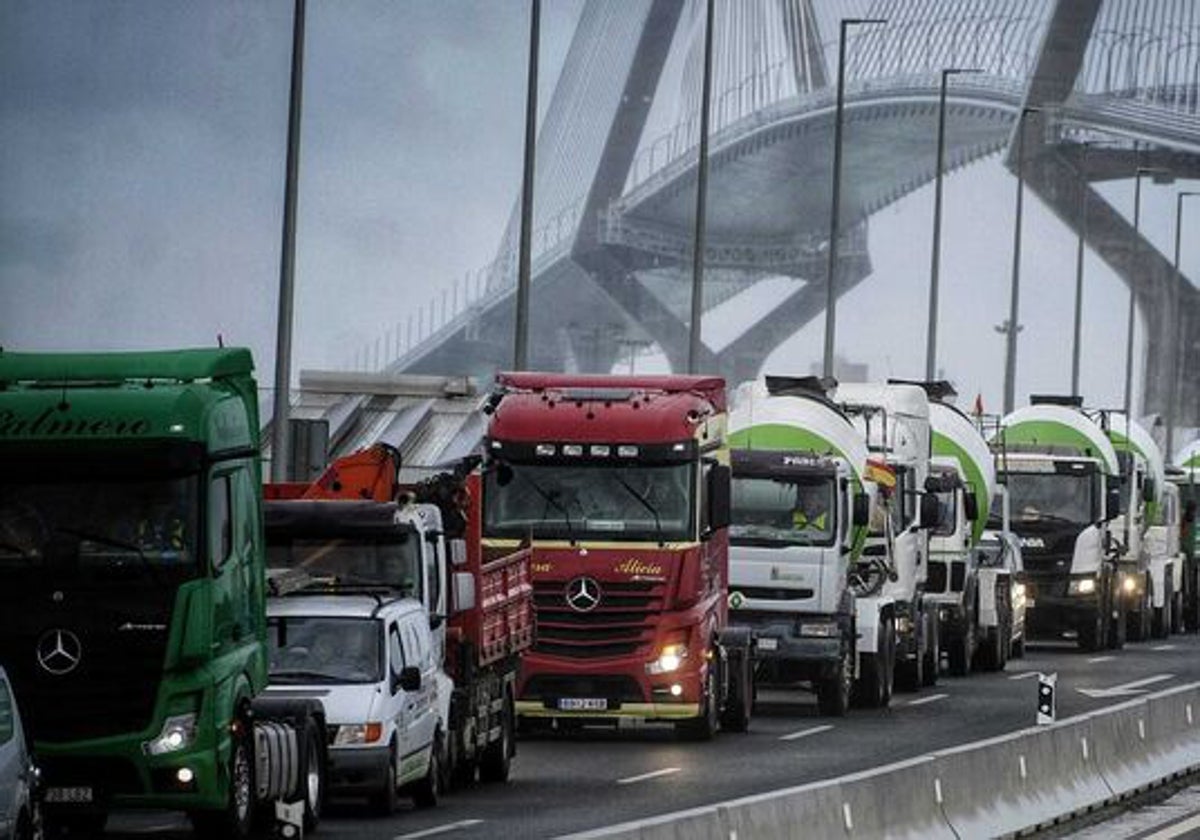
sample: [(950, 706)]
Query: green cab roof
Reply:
[(179, 365)]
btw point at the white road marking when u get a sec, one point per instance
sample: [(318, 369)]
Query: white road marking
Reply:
[(441, 829), (1163, 647), (804, 733), (1177, 830), (666, 771), (930, 699), (1024, 676), (1125, 689), (1096, 659)]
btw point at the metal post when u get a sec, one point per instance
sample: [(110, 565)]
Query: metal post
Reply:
[(936, 258), (1137, 253), (1077, 341), (1176, 328), (280, 439), (835, 209), (524, 257), (694, 342), (1010, 356)]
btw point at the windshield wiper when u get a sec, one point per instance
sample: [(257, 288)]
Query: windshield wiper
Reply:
[(303, 676), (646, 504), (551, 500), (113, 542)]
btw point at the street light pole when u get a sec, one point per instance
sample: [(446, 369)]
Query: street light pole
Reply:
[(1137, 253), (836, 204), (694, 343), (936, 258), (1077, 343), (1176, 326), (1010, 356)]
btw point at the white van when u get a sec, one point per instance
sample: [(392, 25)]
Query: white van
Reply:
[(371, 662), (19, 816)]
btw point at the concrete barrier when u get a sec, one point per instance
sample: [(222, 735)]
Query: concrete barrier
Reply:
[(1000, 786)]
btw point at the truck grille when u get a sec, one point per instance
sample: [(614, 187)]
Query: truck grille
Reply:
[(766, 593), (615, 688), (623, 621), (112, 689)]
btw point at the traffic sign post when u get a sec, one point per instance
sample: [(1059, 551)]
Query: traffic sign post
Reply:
[(1046, 706)]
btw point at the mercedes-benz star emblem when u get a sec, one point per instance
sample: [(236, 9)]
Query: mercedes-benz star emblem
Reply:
[(583, 594), (59, 652)]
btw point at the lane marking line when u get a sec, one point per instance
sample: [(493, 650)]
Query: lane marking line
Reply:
[(846, 817), (804, 733), (1024, 676), (932, 698), (654, 774), (1021, 765), (1163, 647), (441, 829), (1177, 830), (1096, 659)]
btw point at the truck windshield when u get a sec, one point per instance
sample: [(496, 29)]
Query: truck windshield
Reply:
[(947, 514), (1049, 497), (597, 502), (317, 649), (135, 526), (353, 562), (782, 512)]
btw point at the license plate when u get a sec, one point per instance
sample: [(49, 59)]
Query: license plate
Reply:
[(1030, 603), (582, 704), (73, 795), (768, 643)]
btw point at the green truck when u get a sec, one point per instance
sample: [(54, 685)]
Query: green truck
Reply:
[(132, 593)]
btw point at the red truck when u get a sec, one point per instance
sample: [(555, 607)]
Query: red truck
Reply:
[(622, 485), (356, 527)]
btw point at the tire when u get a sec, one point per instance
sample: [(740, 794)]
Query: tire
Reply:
[(1018, 648), (735, 715), (962, 648), (496, 761), (833, 692), (314, 776), (1092, 637), (29, 826), (910, 674), (1118, 627), (1137, 622), (1177, 614), (704, 727), (877, 671), (384, 801), (425, 793), (236, 820), (933, 652), (78, 825)]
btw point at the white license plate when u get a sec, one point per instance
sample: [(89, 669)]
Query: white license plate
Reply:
[(582, 704), (1030, 603), (768, 643), (73, 795)]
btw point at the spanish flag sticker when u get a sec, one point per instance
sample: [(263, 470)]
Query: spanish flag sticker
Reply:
[(881, 474)]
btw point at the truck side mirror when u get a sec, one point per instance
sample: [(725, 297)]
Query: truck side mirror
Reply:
[(861, 513), (931, 511), (971, 507), (410, 678), (464, 591), (719, 497), (1112, 498)]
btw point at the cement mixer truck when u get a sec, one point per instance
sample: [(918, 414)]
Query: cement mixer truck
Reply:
[(1146, 560), (1063, 482), (974, 608), (1185, 475), (893, 419), (800, 511)]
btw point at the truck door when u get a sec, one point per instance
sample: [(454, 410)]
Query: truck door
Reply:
[(399, 706), (231, 521), (415, 634)]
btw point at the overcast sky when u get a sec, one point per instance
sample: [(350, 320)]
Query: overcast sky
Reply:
[(142, 152)]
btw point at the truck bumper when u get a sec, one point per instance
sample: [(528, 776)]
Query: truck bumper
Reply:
[(358, 770), (1052, 615), (787, 656)]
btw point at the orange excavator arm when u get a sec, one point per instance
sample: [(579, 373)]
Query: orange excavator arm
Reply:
[(371, 473)]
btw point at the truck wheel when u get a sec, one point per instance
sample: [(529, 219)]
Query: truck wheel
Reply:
[(877, 672), (386, 799), (704, 727), (497, 756), (833, 692), (314, 775), (236, 820), (1118, 627), (962, 648), (1137, 622), (81, 825), (1162, 615), (933, 651), (425, 792), (1177, 614)]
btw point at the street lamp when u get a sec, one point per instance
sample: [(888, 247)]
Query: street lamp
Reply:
[(525, 243), (1176, 325), (935, 260), (836, 208), (1137, 253), (1010, 356), (694, 339)]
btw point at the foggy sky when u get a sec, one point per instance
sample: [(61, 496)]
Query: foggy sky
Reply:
[(142, 149)]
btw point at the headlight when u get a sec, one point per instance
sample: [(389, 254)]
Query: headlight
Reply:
[(177, 734), (903, 624), (670, 658), (354, 734), (1082, 586), (1130, 584), (1019, 589), (824, 630)]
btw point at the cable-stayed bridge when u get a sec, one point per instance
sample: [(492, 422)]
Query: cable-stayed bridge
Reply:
[(617, 159)]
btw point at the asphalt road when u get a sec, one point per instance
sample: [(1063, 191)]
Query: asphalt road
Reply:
[(567, 783)]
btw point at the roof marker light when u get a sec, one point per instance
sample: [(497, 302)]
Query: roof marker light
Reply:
[(601, 451), (627, 451), (572, 450), (544, 450)]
